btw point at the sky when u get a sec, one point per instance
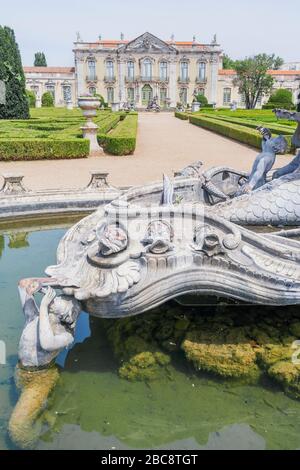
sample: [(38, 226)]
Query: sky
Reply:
[(243, 27)]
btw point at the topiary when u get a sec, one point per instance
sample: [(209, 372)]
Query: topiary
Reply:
[(47, 100), (281, 98), (202, 99), (31, 98)]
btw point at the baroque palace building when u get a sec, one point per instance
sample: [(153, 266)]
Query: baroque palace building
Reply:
[(144, 68)]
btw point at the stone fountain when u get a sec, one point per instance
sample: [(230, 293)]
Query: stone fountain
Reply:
[(89, 106), (191, 235)]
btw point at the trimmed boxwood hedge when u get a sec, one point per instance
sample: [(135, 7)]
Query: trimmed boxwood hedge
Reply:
[(181, 115), (233, 131), (122, 140), (38, 149)]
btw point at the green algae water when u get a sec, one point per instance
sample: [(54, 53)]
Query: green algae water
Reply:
[(93, 408)]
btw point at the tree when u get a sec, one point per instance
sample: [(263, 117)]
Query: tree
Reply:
[(253, 79), (15, 105), (202, 99), (31, 98), (228, 63), (281, 98), (47, 100), (40, 60), (278, 62)]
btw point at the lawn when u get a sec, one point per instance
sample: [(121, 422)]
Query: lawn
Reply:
[(53, 133), (241, 125)]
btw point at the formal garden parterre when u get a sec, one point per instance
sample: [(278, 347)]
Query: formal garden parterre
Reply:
[(54, 133)]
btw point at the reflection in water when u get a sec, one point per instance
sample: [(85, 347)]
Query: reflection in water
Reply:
[(18, 240), (93, 408)]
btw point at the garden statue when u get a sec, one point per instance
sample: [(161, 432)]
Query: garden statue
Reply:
[(160, 242), (153, 105), (264, 161)]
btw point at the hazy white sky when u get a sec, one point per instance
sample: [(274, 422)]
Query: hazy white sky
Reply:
[(243, 27)]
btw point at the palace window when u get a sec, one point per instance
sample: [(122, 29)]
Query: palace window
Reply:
[(110, 95), (147, 69), (92, 90), (183, 95), (202, 71), (130, 70), (35, 89), (163, 96), (163, 70), (92, 70), (226, 96), (201, 91), (184, 71), (130, 95), (109, 69), (67, 93)]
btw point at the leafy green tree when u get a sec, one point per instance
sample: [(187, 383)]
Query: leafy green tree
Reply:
[(228, 63), (253, 79), (47, 100), (40, 60), (31, 98), (281, 98), (15, 105), (278, 62), (202, 99)]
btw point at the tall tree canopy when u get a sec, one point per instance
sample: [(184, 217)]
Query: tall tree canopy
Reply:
[(253, 79), (15, 105), (40, 59)]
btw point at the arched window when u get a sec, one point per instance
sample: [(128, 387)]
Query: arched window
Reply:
[(201, 91), (202, 71), (92, 90), (147, 69), (110, 95), (226, 96), (184, 71), (183, 95), (130, 95), (91, 69), (163, 95), (130, 70), (109, 69), (163, 70), (51, 89)]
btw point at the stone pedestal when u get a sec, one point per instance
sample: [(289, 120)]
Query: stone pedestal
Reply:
[(69, 105), (90, 132), (98, 181), (196, 107), (38, 103), (13, 184), (115, 107)]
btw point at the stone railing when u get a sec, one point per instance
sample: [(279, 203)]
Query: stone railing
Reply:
[(108, 79), (91, 78), (184, 80), (201, 80)]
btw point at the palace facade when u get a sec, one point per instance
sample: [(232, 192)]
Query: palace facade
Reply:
[(144, 68)]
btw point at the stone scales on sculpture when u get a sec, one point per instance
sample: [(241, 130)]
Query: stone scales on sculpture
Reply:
[(166, 240)]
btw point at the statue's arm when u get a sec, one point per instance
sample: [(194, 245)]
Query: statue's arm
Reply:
[(48, 340)]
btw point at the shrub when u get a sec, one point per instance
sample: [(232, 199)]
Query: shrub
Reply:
[(233, 131), (281, 98), (182, 116), (122, 140), (31, 98), (47, 100), (39, 149), (202, 99)]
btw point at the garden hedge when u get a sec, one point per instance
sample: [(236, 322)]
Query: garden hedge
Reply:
[(122, 140), (233, 131), (181, 115), (38, 149)]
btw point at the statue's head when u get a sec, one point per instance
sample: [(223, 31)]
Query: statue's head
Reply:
[(278, 144), (66, 309)]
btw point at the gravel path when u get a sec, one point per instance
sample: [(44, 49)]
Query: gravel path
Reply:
[(165, 144)]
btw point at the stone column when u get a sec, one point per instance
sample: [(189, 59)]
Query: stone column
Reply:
[(214, 67), (173, 83), (121, 76), (81, 88)]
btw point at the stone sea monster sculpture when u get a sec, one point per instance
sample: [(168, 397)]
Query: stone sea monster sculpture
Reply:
[(156, 243)]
